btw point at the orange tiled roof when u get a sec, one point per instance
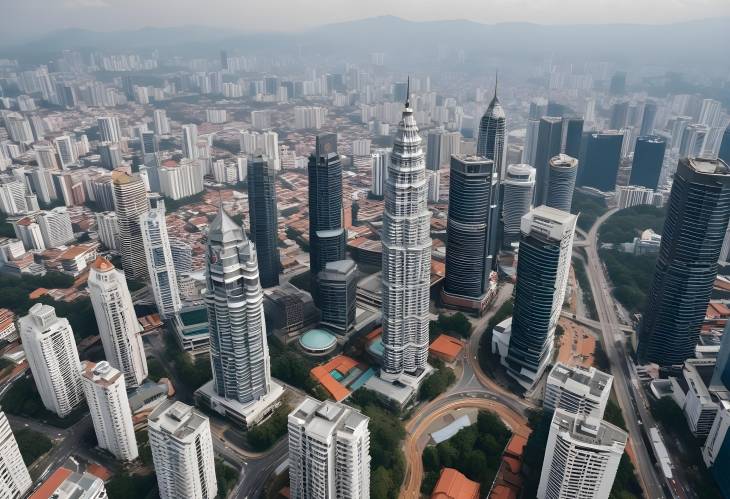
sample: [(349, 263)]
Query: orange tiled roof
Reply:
[(503, 492), (54, 481), (454, 485), (324, 378), (446, 346)]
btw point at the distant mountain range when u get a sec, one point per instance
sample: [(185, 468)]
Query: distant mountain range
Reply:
[(701, 42)]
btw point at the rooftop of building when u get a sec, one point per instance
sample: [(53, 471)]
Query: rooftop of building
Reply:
[(589, 430), (708, 166), (454, 485), (101, 373), (65, 484), (597, 382), (177, 419)]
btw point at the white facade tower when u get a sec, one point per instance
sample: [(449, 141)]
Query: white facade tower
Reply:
[(106, 395), (190, 141), (118, 325), (406, 274), (182, 452), (50, 347), (329, 451), (241, 388), (581, 458), (159, 260), (15, 480)]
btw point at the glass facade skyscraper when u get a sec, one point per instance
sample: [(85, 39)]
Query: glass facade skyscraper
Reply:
[(549, 143), (697, 218), (599, 160), (263, 215), (648, 160)]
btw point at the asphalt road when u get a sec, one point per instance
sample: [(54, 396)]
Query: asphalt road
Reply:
[(635, 414)]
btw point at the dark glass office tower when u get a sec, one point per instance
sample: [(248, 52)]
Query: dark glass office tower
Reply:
[(549, 142), (648, 120), (697, 218), (599, 160), (619, 115), (546, 244), (326, 234), (725, 146), (490, 143), (472, 218), (573, 135), (263, 216), (618, 83), (648, 160)]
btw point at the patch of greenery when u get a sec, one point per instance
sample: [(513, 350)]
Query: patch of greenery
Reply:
[(155, 371), (124, 486), (631, 276), (387, 461), (32, 444), (265, 435), (613, 414), (172, 205), (226, 476), (292, 368), (438, 382), (193, 373), (6, 228), (589, 207), (143, 447), (22, 399), (476, 451), (534, 452), (457, 324), (625, 225)]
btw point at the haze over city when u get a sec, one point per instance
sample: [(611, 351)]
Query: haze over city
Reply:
[(388, 250)]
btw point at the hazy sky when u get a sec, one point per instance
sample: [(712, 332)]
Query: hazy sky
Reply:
[(25, 17)]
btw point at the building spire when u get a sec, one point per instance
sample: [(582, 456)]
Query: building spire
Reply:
[(496, 81), (408, 92)]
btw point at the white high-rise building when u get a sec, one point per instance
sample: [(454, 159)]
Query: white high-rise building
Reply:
[(519, 189), (329, 451), (181, 180), (109, 129), (66, 150), (577, 390), (15, 480), (717, 437), (106, 396), (50, 348), (45, 155), (190, 141), (182, 452), (241, 387), (18, 128), (118, 326), (406, 276), (380, 159), (159, 260), (55, 227), (161, 123), (581, 458), (12, 196), (248, 141), (130, 201), (711, 112), (633, 195), (261, 119), (309, 117), (107, 226), (30, 233), (271, 148)]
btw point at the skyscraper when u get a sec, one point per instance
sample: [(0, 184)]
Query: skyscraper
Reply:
[(239, 353), (648, 119), (519, 189), (581, 457), (329, 451), (182, 452), (130, 201), (55, 227), (725, 146), (433, 149), (118, 326), (336, 286), (619, 115), (379, 172), (699, 209), (472, 223), (190, 141), (578, 390), (406, 274), (563, 170), (648, 160), (160, 265), (264, 218), (161, 123), (109, 129), (599, 160), (573, 128), (549, 141), (50, 348), (531, 135), (326, 232), (107, 398), (545, 251), (15, 480), (491, 140)]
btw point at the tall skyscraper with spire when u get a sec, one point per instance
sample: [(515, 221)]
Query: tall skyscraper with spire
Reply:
[(241, 388), (490, 143), (406, 242)]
